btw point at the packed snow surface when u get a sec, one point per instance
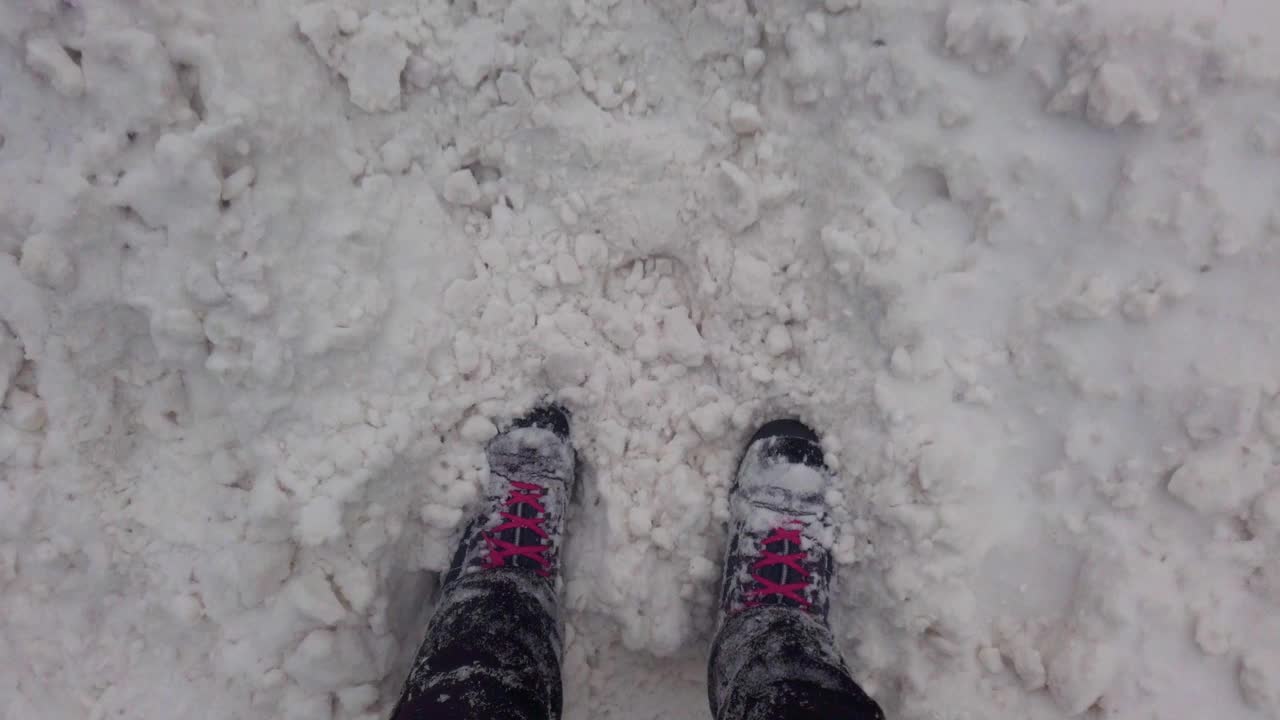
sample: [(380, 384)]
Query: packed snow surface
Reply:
[(273, 273)]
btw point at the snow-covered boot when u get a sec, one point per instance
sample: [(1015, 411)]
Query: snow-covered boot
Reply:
[(493, 646), (774, 656), (779, 549), (521, 521)]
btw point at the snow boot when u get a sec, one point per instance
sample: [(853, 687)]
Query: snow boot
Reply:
[(779, 549), (521, 520), (493, 645), (774, 656)]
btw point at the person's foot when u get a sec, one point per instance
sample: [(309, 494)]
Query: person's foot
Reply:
[(780, 534), (531, 476)]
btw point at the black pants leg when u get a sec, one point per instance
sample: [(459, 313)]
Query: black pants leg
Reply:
[(775, 663), (492, 651)]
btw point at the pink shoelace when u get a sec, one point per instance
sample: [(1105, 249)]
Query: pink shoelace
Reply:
[(767, 587), (499, 549)]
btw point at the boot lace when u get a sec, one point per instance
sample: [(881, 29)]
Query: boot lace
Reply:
[(522, 493), (789, 532)]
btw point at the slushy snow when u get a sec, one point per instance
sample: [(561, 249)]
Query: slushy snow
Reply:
[(272, 274)]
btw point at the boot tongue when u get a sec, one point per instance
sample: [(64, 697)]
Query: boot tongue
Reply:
[(522, 537), (779, 574)]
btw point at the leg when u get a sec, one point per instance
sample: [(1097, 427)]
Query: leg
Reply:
[(493, 645), (774, 657), (492, 650), (782, 664)]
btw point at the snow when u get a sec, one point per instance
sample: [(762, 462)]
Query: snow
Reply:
[(273, 275)]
